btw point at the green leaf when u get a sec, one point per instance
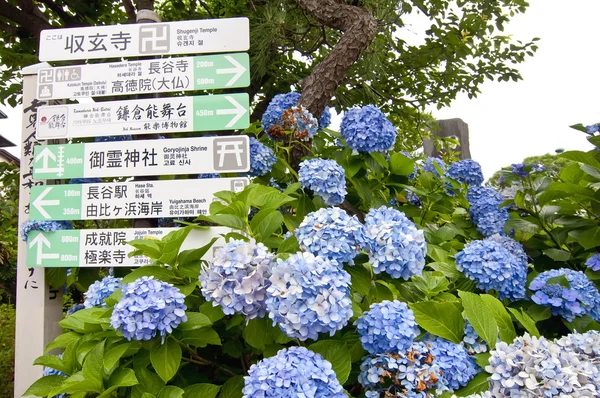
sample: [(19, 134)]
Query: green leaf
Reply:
[(361, 279), (526, 321), (449, 270), (202, 337), (172, 243), (166, 358), (337, 353), (159, 273), (195, 320), (62, 341), (150, 247), (226, 220), (290, 245), (265, 222), (114, 354), (93, 369), (483, 359), (42, 387), (559, 280), (121, 377), (557, 255), (271, 200), (171, 392), (194, 255), (431, 283), (502, 317), (352, 340), (202, 390), (480, 317), (54, 362), (214, 313), (478, 384), (590, 238), (401, 165), (257, 333), (442, 319), (582, 324), (232, 388)]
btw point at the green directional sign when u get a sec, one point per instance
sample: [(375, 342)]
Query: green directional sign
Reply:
[(222, 112), (221, 71)]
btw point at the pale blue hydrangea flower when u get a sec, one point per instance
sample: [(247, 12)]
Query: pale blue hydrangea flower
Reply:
[(325, 119), (367, 129), (388, 327), (293, 372), (514, 247), (53, 372), (466, 171), (284, 102), (85, 180), (262, 158), (411, 372), (75, 308), (394, 243), (429, 165), (592, 129), (485, 211), (473, 343), (100, 291), (309, 295), (326, 178), (536, 367), (46, 226), (594, 262), (148, 307), (110, 138), (587, 344), (331, 233), (457, 366), (491, 266), (237, 278), (580, 298)]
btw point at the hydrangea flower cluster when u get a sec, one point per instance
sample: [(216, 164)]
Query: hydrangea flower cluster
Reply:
[(514, 247), (331, 233), (100, 291), (309, 295), (148, 307), (325, 119), (112, 138), (594, 262), (293, 372), (75, 308), (532, 367), (457, 366), (473, 343), (466, 171), (580, 298), (46, 226), (413, 372), (326, 178), (491, 266), (299, 120), (394, 243), (238, 277), (262, 158), (367, 129), (587, 344), (429, 165), (592, 129), (523, 169), (388, 327), (85, 180), (413, 198), (485, 211), (275, 109)]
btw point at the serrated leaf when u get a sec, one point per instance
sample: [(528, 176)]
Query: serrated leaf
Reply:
[(166, 358), (502, 317), (195, 320), (232, 388), (526, 321), (440, 318), (480, 317), (202, 390), (42, 387)]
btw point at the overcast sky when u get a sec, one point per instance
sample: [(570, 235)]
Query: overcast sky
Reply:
[(510, 121)]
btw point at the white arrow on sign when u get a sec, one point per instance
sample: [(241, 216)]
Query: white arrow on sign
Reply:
[(238, 111), (39, 202), (45, 155), (41, 241), (238, 70)]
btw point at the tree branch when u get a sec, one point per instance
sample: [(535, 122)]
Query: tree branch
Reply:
[(31, 22), (130, 11), (70, 20)]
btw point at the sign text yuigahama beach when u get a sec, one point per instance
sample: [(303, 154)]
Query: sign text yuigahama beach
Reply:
[(137, 199), (106, 247), (144, 116), (145, 76), (225, 154), (134, 40)]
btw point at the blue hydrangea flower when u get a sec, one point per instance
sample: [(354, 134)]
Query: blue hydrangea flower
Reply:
[(208, 175), (514, 247), (46, 226), (457, 366), (237, 278), (298, 120), (325, 119), (413, 199), (309, 295), (412, 372), (491, 266), (275, 109), (293, 372), (485, 211), (594, 262), (592, 129), (75, 308), (53, 372), (519, 169), (466, 171), (586, 344), (326, 178), (367, 129), (429, 165), (85, 180), (110, 138), (331, 233), (473, 343), (394, 243), (148, 307), (262, 158), (388, 327), (580, 298), (100, 291), (532, 367)]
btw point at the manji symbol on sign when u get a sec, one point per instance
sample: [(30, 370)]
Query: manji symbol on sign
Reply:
[(226, 154), (145, 76), (156, 115), (116, 41), (147, 199), (106, 247)]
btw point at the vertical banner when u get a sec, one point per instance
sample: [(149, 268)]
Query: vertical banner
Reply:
[(39, 308)]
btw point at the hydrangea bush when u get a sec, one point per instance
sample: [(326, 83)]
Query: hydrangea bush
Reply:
[(346, 270)]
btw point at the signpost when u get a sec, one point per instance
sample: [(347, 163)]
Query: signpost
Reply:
[(115, 41), (144, 116), (137, 199), (145, 76), (106, 247), (226, 154)]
